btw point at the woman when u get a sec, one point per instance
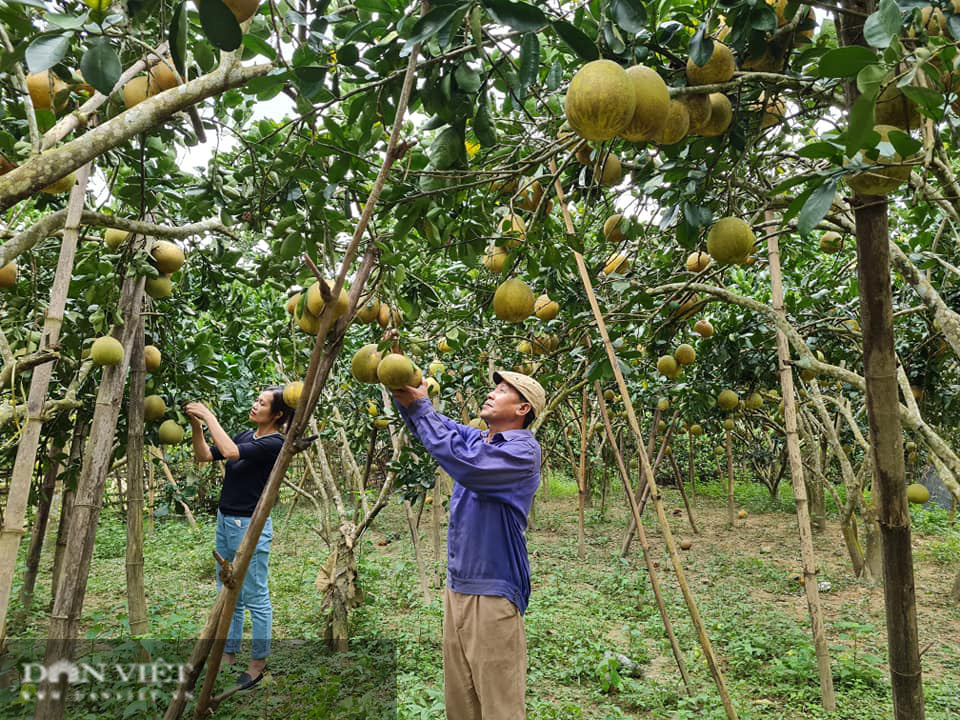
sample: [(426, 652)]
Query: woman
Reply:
[(250, 457)]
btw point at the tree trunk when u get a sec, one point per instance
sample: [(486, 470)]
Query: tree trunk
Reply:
[(16, 508), (807, 556), (886, 443), (81, 533), (66, 510), (955, 590), (417, 554), (136, 593), (691, 439)]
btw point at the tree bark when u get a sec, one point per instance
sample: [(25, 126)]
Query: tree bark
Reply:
[(886, 442), (731, 508), (81, 533), (16, 508), (136, 592)]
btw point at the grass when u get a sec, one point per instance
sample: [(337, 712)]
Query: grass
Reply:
[(596, 642)]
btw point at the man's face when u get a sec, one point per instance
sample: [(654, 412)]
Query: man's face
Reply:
[(503, 404)]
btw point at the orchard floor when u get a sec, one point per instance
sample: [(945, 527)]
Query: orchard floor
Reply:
[(744, 581)]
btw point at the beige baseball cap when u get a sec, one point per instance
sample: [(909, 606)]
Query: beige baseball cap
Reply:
[(526, 386)]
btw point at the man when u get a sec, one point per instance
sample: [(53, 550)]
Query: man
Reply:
[(496, 474)]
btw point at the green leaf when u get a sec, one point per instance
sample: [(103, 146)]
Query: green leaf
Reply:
[(258, 45), (883, 25), (701, 47), (861, 124), (47, 50), (903, 143), (870, 79), (219, 25), (518, 15), (467, 78), (529, 61), (554, 76), (929, 101), (484, 127), (429, 25), (348, 55), (177, 36), (630, 15), (576, 39), (819, 150), (845, 62), (101, 65), (444, 151), (816, 206), (763, 18)]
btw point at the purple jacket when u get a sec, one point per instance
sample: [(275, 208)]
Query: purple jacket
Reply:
[(494, 484)]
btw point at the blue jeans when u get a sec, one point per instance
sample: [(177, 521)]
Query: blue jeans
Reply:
[(254, 595)]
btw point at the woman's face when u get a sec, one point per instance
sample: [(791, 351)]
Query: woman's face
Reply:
[(262, 411)]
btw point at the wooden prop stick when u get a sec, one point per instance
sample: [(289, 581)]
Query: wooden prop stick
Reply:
[(807, 556), (728, 444), (645, 495), (683, 494), (158, 454), (654, 490), (691, 439), (582, 477), (648, 558), (646, 469)]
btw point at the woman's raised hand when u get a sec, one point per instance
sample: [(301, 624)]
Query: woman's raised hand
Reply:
[(197, 411)]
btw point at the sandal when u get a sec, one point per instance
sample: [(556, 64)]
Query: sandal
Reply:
[(245, 682)]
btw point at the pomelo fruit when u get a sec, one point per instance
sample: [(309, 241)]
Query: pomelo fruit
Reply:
[(600, 101), (698, 261), (159, 287), (754, 401), (696, 429), (545, 308), (395, 371), (698, 111), (703, 328), (308, 322), (728, 400), (292, 303), (433, 387), (730, 240), (106, 350), (494, 258), (917, 494), (63, 185), (652, 104), (524, 347), (162, 75), (154, 408), (315, 300), (114, 238), (137, 90), (663, 404), (8, 275), (364, 363), (44, 87), (728, 424), (676, 126), (667, 365), (291, 393), (611, 172), (616, 263), (151, 358), (883, 180), (719, 68), (830, 242), (443, 345), (170, 433), (721, 115), (611, 229), (368, 313), (168, 256), (685, 354), (513, 301), (436, 368)]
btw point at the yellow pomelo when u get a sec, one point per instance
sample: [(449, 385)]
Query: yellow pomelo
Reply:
[(917, 493), (395, 371), (754, 401), (114, 238), (524, 347), (44, 87), (242, 10), (384, 315), (698, 110), (63, 185), (106, 350), (137, 90), (364, 363), (417, 379), (771, 60), (531, 196), (545, 308), (436, 368), (170, 433), (727, 400), (663, 404), (696, 429), (616, 263), (667, 365), (308, 322), (773, 112), (698, 261), (8, 275), (830, 242), (652, 104), (162, 75), (292, 303), (677, 124), (168, 256), (728, 424), (159, 287), (611, 229), (685, 354), (721, 115), (719, 68), (152, 358), (600, 100), (884, 180), (291, 393), (372, 409), (368, 313), (443, 346), (703, 328), (894, 108), (494, 258), (611, 173), (433, 387), (513, 301), (730, 240), (315, 300), (154, 408), (688, 306)]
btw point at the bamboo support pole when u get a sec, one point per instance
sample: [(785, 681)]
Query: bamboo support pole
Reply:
[(136, 590), (582, 477), (644, 544), (158, 454), (731, 509), (807, 556), (417, 554), (647, 470), (683, 494)]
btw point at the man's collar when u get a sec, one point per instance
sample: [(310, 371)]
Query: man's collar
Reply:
[(511, 434)]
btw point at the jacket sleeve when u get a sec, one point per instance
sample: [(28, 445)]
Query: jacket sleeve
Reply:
[(484, 468)]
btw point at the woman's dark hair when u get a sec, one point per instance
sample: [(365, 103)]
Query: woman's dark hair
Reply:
[(277, 405)]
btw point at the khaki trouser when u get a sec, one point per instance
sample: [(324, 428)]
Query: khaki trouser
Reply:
[(484, 658)]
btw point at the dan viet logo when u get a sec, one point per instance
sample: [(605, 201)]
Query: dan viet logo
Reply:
[(103, 681)]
